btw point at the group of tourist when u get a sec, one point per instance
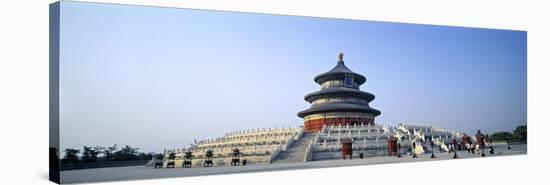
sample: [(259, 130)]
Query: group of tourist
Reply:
[(471, 148)]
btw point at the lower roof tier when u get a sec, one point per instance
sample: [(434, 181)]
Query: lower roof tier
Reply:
[(339, 107), (339, 91)]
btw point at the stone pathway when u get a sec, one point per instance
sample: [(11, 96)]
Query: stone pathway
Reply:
[(141, 173)]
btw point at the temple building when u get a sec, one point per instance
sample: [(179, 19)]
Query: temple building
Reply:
[(340, 101), (338, 125)]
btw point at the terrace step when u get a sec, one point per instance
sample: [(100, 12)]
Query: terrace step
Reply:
[(296, 151)]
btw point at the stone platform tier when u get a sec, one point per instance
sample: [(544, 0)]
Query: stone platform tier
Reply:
[(373, 140), (256, 146), (288, 145)]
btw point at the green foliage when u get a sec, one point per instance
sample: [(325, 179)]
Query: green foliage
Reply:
[(520, 133), (145, 156), (126, 154), (501, 136), (90, 154), (71, 156), (108, 153), (159, 156), (112, 153)]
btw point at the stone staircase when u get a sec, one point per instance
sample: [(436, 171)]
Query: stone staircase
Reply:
[(296, 151)]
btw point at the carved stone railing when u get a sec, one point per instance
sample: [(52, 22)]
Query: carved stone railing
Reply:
[(274, 154), (308, 154)]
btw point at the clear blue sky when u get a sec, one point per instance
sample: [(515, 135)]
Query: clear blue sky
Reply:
[(158, 78)]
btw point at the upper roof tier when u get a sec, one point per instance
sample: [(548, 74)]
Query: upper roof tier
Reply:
[(338, 72)]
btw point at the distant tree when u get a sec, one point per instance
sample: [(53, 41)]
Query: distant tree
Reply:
[(158, 163), (145, 156), (108, 153), (501, 136), (159, 156), (99, 150), (125, 154), (71, 155), (89, 154), (520, 133)]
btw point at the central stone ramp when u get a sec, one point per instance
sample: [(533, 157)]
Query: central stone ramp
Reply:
[(297, 150)]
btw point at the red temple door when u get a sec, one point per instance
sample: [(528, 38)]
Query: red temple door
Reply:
[(347, 148), (392, 146)]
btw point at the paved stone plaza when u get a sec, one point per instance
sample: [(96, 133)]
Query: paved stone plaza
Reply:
[(140, 172)]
